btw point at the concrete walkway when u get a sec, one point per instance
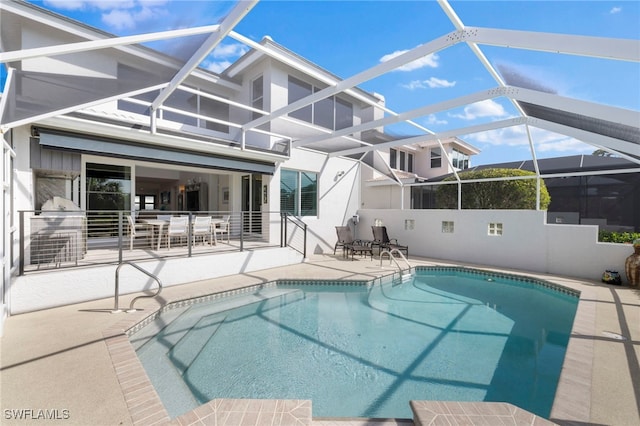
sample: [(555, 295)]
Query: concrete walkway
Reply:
[(56, 365)]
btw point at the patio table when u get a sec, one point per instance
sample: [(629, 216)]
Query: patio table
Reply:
[(157, 226)]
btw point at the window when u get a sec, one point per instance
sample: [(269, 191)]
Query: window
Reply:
[(184, 101), (214, 109), (344, 114), (459, 159), (257, 96), (495, 229), (401, 160), (145, 202), (299, 193), (108, 187), (298, 90), (188, 102), (323, 114), (436, 158), (447, 227), (331, 113)]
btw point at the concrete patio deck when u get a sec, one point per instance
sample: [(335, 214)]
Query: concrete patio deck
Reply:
[(59, 360)]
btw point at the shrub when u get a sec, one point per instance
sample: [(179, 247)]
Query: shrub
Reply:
[(617, 237), (502, 194)]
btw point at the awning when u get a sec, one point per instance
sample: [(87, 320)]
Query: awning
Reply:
[(131, 150)]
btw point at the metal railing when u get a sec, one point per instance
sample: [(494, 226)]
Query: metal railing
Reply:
[(291, 238), (116, 307), (69, 239), (391, 253)]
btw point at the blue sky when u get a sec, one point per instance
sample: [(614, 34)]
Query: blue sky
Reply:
[(346, 37)]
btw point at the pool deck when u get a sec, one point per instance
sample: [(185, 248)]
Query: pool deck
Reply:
[(72, 362)]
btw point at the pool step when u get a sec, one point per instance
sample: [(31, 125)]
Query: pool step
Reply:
[(167, 358), (168, 382), (190, 345), (143, 336)]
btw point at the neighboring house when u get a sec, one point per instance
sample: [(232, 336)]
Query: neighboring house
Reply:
[(392, 169)]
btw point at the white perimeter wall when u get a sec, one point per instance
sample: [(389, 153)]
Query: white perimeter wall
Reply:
[(49, 289), (527, 243)]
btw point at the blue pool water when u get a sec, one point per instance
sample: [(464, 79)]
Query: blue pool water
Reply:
[(366, 351)]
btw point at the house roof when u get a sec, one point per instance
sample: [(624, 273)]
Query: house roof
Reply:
[(613, 129), (561, 166)]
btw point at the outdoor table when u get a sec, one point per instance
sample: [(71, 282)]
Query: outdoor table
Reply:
[(157, 226)]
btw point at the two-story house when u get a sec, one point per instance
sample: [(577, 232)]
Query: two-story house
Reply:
[(386, 182)]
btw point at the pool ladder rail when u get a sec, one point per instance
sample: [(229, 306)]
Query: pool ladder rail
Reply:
[(116, 308), (391, 252)]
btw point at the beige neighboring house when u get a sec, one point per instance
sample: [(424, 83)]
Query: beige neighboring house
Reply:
[(385, 183)]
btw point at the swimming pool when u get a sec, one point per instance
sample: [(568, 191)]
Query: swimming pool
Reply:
[(365, 349)]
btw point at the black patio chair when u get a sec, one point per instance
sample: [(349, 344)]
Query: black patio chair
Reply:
[(349, 244), (382, 240)]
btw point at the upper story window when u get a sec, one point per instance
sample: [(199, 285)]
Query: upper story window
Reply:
[(401, 160), (459, 159), (183, 107), (257, 95), (332, 112), (436, 158)]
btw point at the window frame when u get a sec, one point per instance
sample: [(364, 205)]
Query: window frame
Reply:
[(436, 157), (257, 99), (298, 190), (332, 106)]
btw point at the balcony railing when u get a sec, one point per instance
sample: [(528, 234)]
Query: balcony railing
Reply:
[(70, 239)]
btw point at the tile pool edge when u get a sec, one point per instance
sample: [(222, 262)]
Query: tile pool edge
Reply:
[(573, 393)]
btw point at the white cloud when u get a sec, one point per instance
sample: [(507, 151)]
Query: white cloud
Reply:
[(432, 83), (509, 136), (112, 4), (217, 66), (93, 4), (119, 19), (126, 15), (486, 108), (615, 10), (544, 141), (233, 50), (223, 56), (426, 61), (66, 4), (563, 144), (433, 120)]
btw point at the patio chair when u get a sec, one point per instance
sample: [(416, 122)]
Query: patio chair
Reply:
[(222, 228), (202, 227), (349, 244), (137, 230), (344, 238), (382, 240), (177, 228)]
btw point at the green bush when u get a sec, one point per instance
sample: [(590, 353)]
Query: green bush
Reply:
[(617, 237), (502, 194)]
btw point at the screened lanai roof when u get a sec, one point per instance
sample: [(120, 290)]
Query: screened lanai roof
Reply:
[(182, 52)]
